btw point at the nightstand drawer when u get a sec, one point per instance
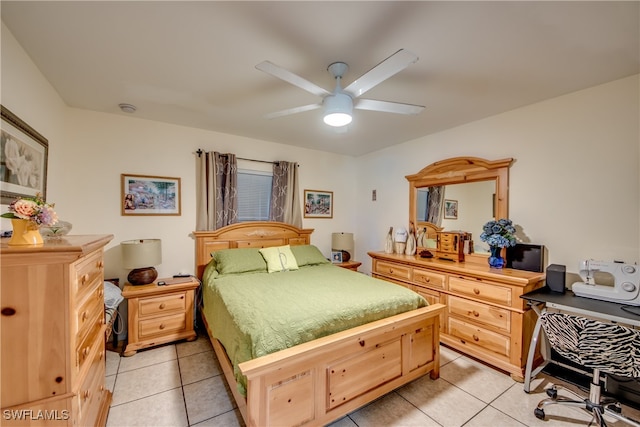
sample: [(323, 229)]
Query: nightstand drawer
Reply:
[(481, 313), (477, 289), (162, 304), (162, 325)]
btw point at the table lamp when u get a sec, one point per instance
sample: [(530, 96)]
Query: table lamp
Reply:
[(141, 255), (343, 242)]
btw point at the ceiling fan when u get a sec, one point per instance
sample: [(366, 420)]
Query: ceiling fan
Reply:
[(339, 104)]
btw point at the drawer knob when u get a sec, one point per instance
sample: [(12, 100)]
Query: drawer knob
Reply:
[(476, 291), (85, 351), (476, 338), (100, 264), (426, 279), (85, 278), (391, 270), (475, 313), (86, 394), (84, 316), (163, 305), (162, 326)]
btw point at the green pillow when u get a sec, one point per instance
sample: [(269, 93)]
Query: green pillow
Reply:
[(308, 255), (243, 260), (279, 258)]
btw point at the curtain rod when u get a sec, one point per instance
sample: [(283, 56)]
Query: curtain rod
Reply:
[(200, 151)]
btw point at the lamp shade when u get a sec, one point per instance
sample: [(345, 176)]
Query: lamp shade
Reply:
[(343, 242), (141, 255), (337, 109)]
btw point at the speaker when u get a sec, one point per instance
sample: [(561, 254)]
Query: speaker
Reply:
[(556, 278)]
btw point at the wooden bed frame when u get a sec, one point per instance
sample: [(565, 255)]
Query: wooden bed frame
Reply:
[(320, 381)]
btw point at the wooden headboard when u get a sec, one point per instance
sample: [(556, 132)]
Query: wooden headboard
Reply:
[(255, 234), (431, 229)]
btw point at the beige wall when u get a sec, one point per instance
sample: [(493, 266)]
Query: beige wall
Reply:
[(575, 182)]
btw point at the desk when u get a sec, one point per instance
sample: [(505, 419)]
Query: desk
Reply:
[(543, 298)]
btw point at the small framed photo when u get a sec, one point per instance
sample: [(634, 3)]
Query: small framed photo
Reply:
[(150, 195), (450, 209), (336, 257), (318, 204), (23, 159)]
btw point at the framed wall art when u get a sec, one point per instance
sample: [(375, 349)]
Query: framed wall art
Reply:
[(150, 195), (23, 159), (336, 257), (450, 209), (318, 204)]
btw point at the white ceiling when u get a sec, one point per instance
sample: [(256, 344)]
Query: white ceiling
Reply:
[(193, 63)]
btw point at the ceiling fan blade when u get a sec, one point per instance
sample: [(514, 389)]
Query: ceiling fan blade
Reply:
[(387, 68), (286, 75), (387, 107), (293, 111)]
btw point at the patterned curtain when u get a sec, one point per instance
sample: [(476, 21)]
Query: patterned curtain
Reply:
[(285, 194), (434, 204), (217, 190)]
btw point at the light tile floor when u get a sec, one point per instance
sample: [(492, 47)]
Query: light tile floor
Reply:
[(182, 385)]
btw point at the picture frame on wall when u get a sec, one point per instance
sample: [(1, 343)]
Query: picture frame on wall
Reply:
[(24, 154), (318, 204), (450, 209), (336, 257), (150, 195)]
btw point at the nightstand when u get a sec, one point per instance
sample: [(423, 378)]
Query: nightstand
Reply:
[(159, 314), (350, 265)]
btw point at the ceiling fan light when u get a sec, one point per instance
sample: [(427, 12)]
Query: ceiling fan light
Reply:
[(337, 109)]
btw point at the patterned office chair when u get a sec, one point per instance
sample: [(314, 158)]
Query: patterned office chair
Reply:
[(604, 347)]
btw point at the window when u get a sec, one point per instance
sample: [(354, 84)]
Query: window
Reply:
[(254, 195)]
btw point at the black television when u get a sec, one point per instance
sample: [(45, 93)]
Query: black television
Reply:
[(526, 256)]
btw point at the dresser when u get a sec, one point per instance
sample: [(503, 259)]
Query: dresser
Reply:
[(159, 314), (53, 333), (485, 317)]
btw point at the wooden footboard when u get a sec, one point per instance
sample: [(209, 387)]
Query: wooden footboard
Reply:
[(322, 380)]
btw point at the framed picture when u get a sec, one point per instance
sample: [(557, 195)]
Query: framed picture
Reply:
[(336, 257), (450, 209), (23, 159), (318, 204), (150, 195)]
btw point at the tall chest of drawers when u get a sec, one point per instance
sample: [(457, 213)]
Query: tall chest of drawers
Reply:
[(53, 333), (485, 316)]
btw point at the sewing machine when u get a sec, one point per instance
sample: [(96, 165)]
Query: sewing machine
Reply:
[(626, 282)]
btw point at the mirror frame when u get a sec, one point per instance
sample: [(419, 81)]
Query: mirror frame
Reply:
[(458, 170)]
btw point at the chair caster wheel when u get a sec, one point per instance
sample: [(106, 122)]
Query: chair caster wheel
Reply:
[(552, 393), (539, 413)]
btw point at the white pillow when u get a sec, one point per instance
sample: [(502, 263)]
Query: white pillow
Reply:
[(279, 258)]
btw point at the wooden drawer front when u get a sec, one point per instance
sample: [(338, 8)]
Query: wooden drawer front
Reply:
[(470, 334), (349, 378), (481, 290), (88, 273), (91, 391), (162, 325), (86, 347), (429, 278), (481, 313), (394, 270), (90, 314), (162, 304)]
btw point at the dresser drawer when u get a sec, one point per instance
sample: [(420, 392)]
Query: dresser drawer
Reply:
[(87, 274), (480, 313), (162, 304), (162, 325), (394, 270), (478, 289), (429, 278), (470, 334), (92, 391), (85, 348), (89, 314)]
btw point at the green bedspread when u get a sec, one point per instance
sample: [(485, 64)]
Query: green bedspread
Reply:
[(254, 314)]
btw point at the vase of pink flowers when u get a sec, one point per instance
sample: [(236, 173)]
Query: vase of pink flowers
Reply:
[(27, 215)]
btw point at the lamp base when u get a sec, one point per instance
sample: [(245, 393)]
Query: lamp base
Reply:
[(346, 256), (142, 276)]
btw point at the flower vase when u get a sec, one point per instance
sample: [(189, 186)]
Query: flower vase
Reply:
[(495, 259), (25, 233)]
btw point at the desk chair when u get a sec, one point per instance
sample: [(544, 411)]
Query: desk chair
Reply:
[(604, 347)]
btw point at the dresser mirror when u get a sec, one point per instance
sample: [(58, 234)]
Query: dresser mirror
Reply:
[(471, 192)]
